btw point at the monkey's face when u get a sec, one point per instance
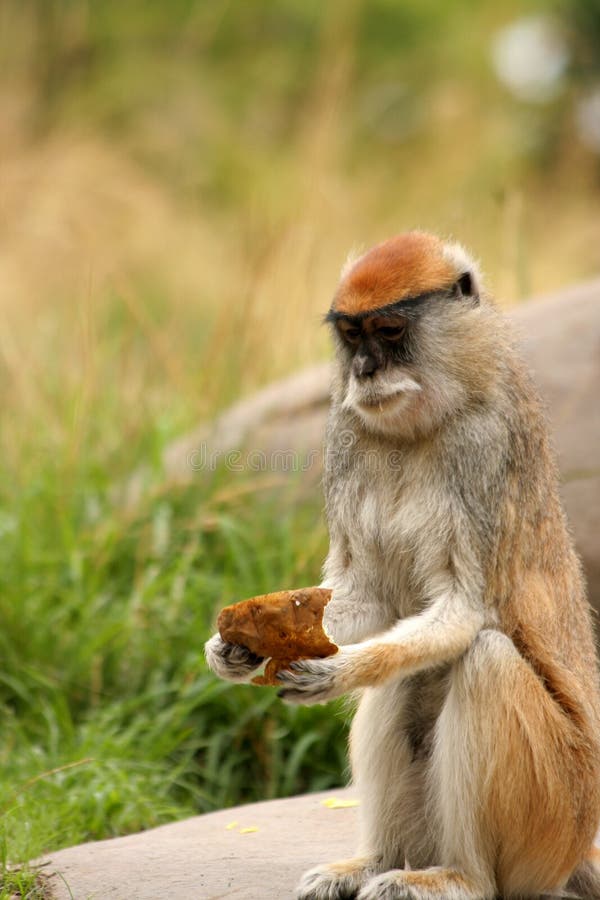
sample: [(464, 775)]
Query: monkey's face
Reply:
[(403, 365), (413, 345), (377, 354)]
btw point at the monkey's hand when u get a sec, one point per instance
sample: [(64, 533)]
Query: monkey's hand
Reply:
[(314, 680), (230, 661)]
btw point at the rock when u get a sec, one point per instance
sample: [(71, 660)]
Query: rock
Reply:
[(561, 339), (280, 428), (202, 859), (287, 414)]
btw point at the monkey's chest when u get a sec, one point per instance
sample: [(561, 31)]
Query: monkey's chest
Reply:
[(395, 529)]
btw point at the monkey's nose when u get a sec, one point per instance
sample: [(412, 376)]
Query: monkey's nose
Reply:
[(364, 366)]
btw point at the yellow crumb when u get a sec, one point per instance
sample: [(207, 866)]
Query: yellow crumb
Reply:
[(231, 825), (250, 830), (334, 803)]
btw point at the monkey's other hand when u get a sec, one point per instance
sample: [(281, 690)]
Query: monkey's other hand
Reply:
[(313, 680), (230, 661)]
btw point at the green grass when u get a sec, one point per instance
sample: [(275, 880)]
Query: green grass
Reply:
[(111, 721), (25, 882)]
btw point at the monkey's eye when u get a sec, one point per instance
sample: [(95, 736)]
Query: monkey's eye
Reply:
[(350, 333), (391, 332)]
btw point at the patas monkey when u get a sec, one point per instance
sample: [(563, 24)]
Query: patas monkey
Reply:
[(458, 600)]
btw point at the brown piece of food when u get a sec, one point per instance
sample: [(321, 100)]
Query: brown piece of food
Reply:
[(285, 626)]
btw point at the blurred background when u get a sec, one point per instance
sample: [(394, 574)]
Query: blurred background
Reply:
[(180, 184)]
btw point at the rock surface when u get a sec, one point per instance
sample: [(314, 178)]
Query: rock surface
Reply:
[(201, 859), (561, 339)]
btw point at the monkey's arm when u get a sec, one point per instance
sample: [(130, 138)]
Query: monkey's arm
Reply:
[(440, 634), (354, 612)]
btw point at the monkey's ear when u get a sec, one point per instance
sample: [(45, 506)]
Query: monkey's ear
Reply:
[(468, 282), (465, 287)]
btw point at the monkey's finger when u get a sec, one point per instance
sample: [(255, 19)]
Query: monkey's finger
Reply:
[(307, 687), (230, 661), (314, 666), (305, 681), (303, 697), (237, 655)]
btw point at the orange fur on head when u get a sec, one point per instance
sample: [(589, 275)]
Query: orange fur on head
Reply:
[(403, 266)]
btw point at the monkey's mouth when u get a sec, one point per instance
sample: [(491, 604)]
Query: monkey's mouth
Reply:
[(373, 400), (378, 404)]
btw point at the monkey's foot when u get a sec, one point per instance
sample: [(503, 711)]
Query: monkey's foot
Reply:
[(426, 884), (337, 881)]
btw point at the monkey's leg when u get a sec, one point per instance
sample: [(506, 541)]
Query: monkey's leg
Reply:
[(381, 765), (508, 793), (389, 781), (509, 788)]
